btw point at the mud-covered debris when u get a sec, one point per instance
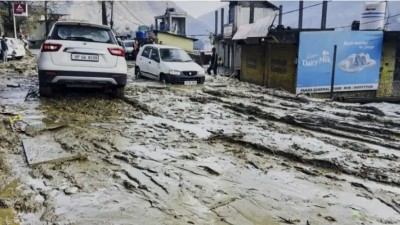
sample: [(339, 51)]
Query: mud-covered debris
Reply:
[(288, 221), (122, 158), (358, 185), (35, 129), (158, 87), (5, 203), (44, 149), (204, 99), (210, 171), (27, 204), (307, 171), (334, 177), (142, 106), (217, 85), (252, 118), (129, 185), (70, 190), (13, 85), (330, 218), (253, 164)]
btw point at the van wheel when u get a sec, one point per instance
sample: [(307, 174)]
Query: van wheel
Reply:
[(119, 92), (138, 73), (45, 90)]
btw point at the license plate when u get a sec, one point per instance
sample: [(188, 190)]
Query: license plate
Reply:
[(190, 82), (82, 57)]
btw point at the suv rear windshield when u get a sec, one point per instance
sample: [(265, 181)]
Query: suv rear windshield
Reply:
[(83, 33)]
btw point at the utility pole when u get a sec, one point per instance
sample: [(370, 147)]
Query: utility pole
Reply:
[(46, 22), (280, 15), (222, 21), (324, 12), (216, 23), (301, 4), (112, 14), (104, 12)]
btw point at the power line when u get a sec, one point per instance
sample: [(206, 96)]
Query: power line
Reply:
[(129, 20), (310, 6), (126, 8), (370, 21)]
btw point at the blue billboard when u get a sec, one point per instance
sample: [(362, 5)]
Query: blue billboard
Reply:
[(358, 60)]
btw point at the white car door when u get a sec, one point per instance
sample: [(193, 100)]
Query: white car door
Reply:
[(154, 63), (142, 61)]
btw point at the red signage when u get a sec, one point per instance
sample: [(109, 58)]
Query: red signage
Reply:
[(20, 9)]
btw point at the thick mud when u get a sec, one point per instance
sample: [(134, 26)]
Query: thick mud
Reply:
[(225, 152)]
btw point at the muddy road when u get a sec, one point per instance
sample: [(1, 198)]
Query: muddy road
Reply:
[(224, 152)]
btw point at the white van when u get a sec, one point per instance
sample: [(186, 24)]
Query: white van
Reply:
[(168, 64)]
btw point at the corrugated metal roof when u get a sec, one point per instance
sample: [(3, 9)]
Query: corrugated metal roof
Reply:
[(242, 32), (255, 30)]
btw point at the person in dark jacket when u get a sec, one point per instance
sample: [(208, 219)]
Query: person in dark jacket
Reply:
[(4, 48), (213, 63)]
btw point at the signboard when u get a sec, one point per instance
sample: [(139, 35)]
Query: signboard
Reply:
[(20, 9), (228, 30), (358, 59)]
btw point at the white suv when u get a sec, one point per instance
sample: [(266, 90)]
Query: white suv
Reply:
[(168, 64), (83, 55)]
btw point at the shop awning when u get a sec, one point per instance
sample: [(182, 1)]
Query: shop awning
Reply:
[(255, 30)]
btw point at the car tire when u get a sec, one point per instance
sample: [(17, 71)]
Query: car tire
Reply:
[(201, 80), (163, 79), (45, 90), (119, 92), (138, 73)]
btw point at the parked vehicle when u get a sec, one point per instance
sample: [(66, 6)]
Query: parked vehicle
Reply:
[(128, 47), (168, 64), (79, 54), (16, 49)]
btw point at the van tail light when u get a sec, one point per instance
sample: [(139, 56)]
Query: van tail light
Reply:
[(50, 47), (117, 51)]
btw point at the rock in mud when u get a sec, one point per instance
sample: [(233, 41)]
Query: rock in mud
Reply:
[(71, 190)]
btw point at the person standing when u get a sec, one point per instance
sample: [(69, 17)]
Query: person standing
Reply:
[(23, 41), (4, 48), (213, 63), (136, 48)]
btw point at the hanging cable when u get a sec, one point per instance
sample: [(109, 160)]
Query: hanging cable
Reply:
[(370, 21)]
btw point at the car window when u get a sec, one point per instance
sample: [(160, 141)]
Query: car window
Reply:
[(174, 55), (155, 55), (83, 33), (146, 52), (128, 43)]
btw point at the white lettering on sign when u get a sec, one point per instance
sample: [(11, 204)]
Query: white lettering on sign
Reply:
[(317, 59)]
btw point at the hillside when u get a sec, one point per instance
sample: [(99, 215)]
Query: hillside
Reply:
[(129, 15)]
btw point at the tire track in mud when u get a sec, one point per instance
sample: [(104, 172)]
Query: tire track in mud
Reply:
[(322, 125), (333, 164), (379, 136), (315, 122)]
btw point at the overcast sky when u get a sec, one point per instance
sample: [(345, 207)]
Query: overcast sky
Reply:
[(198, 8)]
